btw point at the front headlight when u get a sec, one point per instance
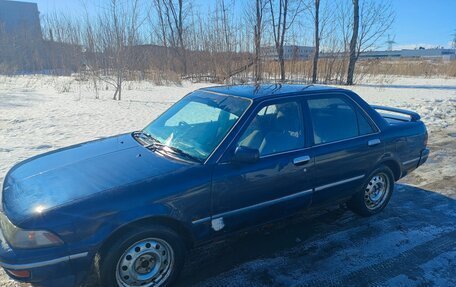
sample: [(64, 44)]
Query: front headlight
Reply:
[(27, 239)]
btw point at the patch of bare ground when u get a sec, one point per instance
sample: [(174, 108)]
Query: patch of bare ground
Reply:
[(439, 172)]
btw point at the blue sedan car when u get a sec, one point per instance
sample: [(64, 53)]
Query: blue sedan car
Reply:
[(220, 160)]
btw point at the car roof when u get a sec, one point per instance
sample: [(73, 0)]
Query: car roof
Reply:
[(267, 90)]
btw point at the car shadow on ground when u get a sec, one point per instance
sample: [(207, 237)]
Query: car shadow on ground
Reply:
[(410, 243)]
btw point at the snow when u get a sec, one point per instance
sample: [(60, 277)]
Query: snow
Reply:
[(35, 117), (42, 113)]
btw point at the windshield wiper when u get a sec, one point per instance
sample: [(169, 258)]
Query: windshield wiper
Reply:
[(186, 155), (146, 137), (154, 144), (175, 150)]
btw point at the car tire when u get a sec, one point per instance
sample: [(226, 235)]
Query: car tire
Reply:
[(375, 192), (152, 256)]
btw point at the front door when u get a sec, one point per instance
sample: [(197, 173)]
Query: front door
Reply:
[(278, 184)]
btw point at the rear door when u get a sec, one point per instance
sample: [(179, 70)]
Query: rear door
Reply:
[(278, 184), (346, 146)]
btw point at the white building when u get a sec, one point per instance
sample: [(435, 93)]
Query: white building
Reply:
[(445, 54), (290, 52)]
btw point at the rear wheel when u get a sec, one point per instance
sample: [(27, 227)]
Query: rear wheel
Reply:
[(375, 194), (152, 257)]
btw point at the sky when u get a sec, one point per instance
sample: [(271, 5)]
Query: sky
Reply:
[(426, 23)]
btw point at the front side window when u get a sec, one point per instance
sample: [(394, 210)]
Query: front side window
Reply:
[(334, 119), (198, 123), (275, 128)]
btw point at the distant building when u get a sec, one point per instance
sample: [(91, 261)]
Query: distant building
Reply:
[(20, 20), (22, 46), (290, 52), (435, 53), (20, 37), (445, 54)]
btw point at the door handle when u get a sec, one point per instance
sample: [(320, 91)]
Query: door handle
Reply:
[(373, 142), (301, 160)]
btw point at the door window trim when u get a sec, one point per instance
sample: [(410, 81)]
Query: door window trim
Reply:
[(293, 98)]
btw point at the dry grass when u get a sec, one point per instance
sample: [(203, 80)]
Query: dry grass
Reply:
[(333, 71), (405, 67)]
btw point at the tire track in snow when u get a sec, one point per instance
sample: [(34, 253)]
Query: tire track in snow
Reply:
[(376, 274)]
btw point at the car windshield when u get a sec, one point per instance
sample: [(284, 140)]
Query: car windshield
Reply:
[(195, 125)]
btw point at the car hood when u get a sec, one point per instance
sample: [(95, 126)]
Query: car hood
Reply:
[(74, 173)]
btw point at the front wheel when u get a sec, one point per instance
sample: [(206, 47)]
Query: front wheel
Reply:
[(152, 257), (375, 194)]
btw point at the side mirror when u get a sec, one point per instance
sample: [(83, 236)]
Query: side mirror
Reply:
[(244, 154)]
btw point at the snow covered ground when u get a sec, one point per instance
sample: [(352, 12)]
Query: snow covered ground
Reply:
[(41, 113)]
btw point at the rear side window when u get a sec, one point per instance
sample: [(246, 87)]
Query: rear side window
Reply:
[(334, 119)]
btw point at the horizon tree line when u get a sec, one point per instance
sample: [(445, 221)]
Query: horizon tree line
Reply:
[(175, 39)]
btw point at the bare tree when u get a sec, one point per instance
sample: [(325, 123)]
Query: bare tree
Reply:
[(161, 22), (260, 6), (317, 40), (212, 44), (111, 41), (225, 25), (224, 40), (283, 14), (339, 42), (353, 43), (370, 24), (376, 19), (62, 39), (174, 15)]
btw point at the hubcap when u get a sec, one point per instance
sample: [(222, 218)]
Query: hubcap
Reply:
[(376, 191), (146, 263)]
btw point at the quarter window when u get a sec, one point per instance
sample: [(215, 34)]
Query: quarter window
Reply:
[(334, 119), (276, 128), (365, 127)]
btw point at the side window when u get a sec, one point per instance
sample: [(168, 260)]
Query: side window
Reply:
[(335, 119), (276, 128)]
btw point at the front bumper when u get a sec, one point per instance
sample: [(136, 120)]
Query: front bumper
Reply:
[(46, 266)]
